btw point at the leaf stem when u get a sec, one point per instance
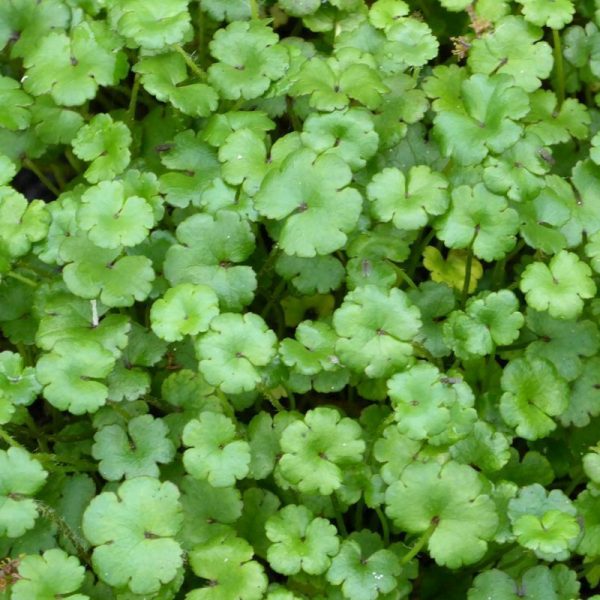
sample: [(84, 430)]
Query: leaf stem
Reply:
[(291, 398), (268, 264), (189, 61), (28, 420), (254, 11), (135, 90), (293, 117), (51, 463), (200, 42), (401, 273), (25, 355), (22, 279), (274, 297), (73, 161), (498, 274), (29, 164), (419, 544), (416, 252), (339, 519), (515, 346), (10, 440), (58, 176), (560, 69), (468, 269), (385, 528), (49, 513), (358, 514)]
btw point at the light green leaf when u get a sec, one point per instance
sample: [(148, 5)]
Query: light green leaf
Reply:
[(133, 532)]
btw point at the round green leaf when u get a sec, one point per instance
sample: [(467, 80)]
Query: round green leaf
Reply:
[(226, 563), (408, 201), (52, 575), (215, 454), (533, 394), (21, 476), (376, 328), (151, 25), (233, 351), (317, 448), (309, 194), (301, 542), (133, 532), (447, 501), (73, 375), (560, 287), (249, 59), (134, 450), (112, 219), (185, 309)]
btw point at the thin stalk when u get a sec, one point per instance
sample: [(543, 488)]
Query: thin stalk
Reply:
[(294, 120), (189, 61), (498, 274), (269, 262), (419, 544), (200, 40), (280, 317), (254, 11), (58, 175), (589, 98), (73, 160), (156, 404), (420, 350), (339, 519), (78, 465), (120, 411), (25, 355), (227, 408), (516, 251), (385, 528), (274, 297), (291, 398), (515, 346), (358, 514), (237, 105), (49, 513), (560, 68), (416, 252), (51, 462), (271, 398), (29, 164), (401, 273), (22, 279), (36, 432), (9, 439), (135, 90), (44, 273), (467, 281), (576, 480)]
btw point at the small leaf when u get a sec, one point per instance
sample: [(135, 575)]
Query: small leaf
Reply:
[(105, 143), (51, 575), (185, 309), (560, 287), (215, 455), (132, 451), (22, 476)]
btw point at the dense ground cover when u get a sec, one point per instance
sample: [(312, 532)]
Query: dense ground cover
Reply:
[(298, 299)]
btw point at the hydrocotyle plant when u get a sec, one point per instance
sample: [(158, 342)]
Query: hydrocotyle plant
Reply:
[(298, 299)]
